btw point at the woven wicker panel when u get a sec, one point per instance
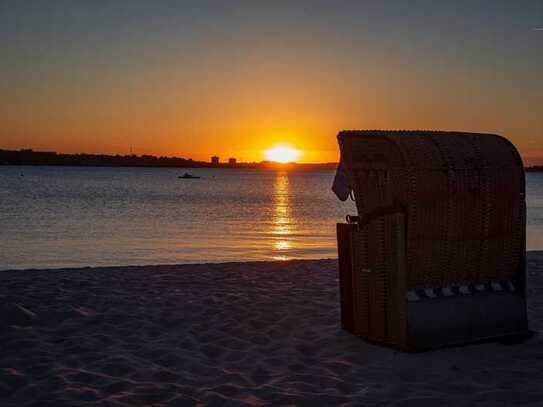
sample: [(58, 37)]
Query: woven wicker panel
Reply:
[(498, 152), (418, 152), (505, 220), (360, 285), (396, 313), (460, 154), (372, 279), (373, 185), (345, 255), (463, 195), (428, 229), (368, 152), (377, 259)]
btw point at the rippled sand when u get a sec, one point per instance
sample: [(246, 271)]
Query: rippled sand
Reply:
[(234, 334)]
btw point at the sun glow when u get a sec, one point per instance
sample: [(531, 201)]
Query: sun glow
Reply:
[(282, 154)]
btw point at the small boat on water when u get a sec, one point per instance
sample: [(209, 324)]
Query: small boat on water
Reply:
[(186, 175)]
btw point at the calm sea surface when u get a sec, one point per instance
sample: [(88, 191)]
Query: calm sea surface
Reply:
[(76, 216)]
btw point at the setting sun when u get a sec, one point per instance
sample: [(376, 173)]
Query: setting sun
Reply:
[(282, 154)]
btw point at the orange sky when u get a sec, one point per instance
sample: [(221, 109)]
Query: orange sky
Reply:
[(197, 81)]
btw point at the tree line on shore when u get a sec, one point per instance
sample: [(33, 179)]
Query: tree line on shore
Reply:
[(31, 157)]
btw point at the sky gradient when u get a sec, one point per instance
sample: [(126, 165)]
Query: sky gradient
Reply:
[(197, 78)]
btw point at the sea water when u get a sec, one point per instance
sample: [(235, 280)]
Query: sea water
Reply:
[(83, 216)]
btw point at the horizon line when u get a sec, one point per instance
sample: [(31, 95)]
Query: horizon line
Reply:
[(218, 164), (225, 162)]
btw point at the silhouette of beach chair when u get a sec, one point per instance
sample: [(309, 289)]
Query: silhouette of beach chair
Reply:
[(436, 255)]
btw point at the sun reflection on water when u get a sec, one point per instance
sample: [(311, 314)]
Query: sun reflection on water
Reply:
[(282, 223)]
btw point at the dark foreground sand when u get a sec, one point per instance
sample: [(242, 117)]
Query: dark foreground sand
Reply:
[(232, 334)]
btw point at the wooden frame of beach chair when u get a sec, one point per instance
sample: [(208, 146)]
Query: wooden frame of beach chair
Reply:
[(437, 254)]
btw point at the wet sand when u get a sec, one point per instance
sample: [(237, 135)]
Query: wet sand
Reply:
[(233, 334)]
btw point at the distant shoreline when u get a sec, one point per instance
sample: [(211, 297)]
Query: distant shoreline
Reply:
[(267, 167), (536, 168), (248, 166), (51, 158)]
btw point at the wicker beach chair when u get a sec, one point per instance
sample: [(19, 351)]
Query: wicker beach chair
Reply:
[(436, 255)]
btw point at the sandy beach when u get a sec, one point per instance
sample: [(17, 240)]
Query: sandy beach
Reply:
[(261, 333)]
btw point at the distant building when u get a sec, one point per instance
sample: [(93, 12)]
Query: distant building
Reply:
[(215, 160), (232, 161)]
